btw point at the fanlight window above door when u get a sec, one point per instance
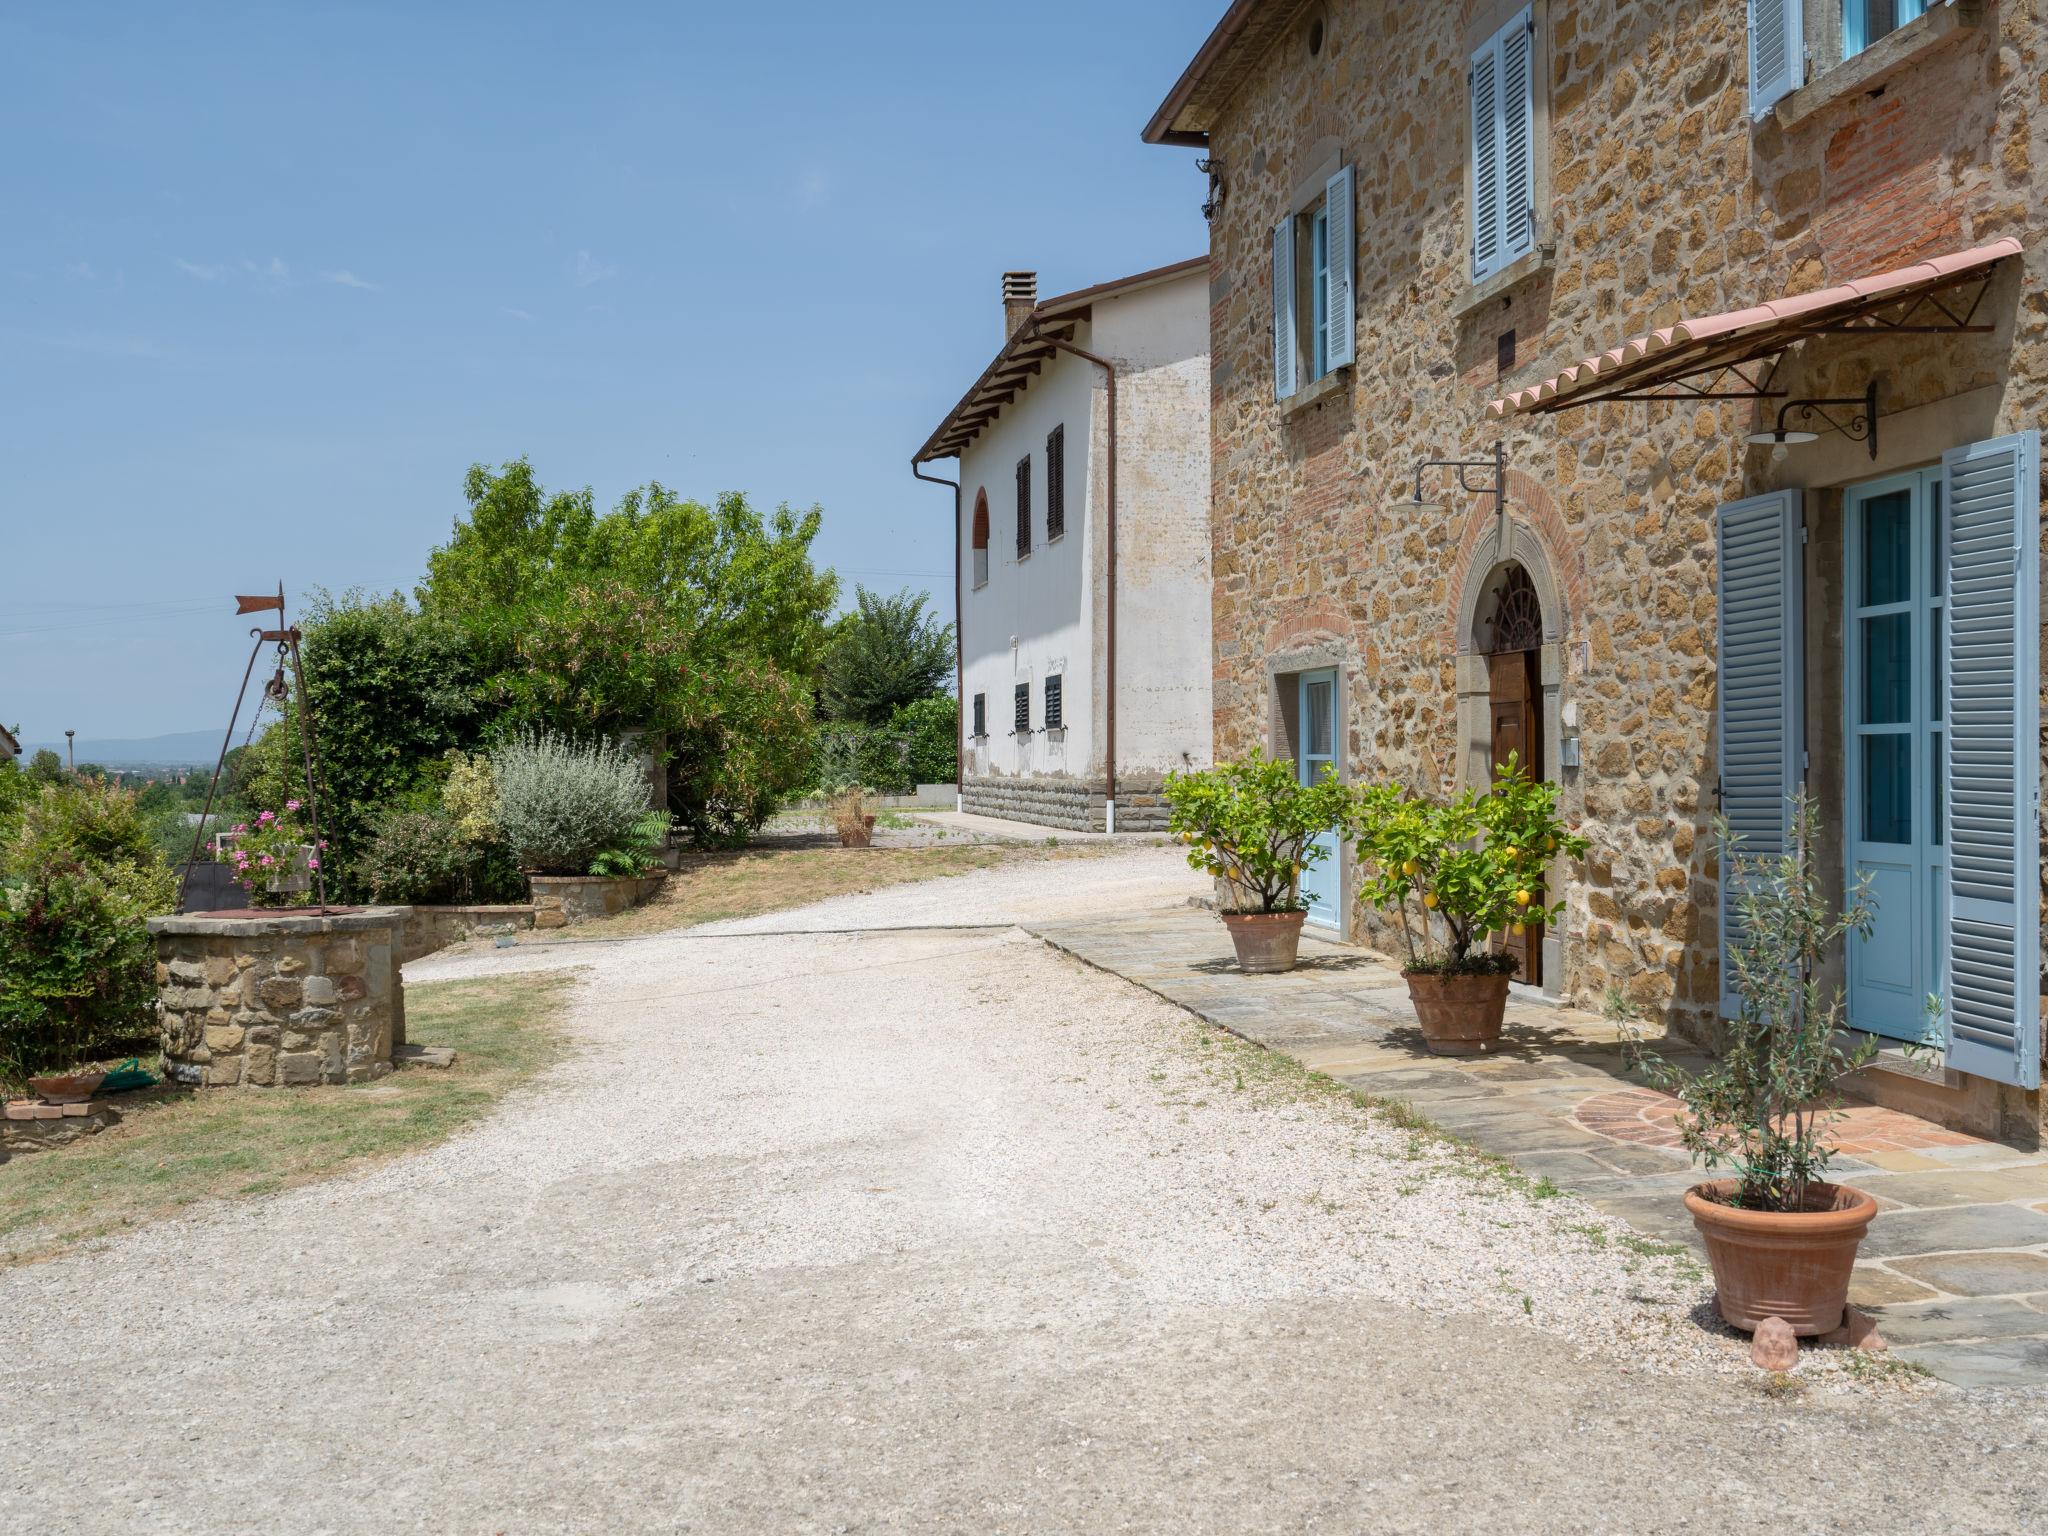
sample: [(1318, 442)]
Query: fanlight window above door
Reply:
[(1517, 615)]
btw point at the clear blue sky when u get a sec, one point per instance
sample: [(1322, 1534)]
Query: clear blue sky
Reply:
[(272, 276)]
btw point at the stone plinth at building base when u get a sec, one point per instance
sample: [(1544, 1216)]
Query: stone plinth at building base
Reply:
[(275, 999), (1075, 805), (559, 900)]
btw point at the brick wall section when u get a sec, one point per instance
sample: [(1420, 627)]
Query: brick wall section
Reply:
[(1666, 201)]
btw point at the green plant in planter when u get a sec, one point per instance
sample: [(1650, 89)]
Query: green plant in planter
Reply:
[(1255, 823), (638, 852), (1469, 867), (1763, 1106)]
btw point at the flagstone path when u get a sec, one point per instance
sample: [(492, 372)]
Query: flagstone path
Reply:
[(1955, 1267)]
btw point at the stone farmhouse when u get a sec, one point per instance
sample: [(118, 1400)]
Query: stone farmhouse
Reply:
[(1651, 390), (1081, 551)]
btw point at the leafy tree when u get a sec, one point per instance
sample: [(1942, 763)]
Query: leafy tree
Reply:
[(886, 654), (46, 767), (392, 690), (931, 726)]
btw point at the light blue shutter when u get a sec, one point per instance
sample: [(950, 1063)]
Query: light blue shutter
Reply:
[(1777, 52), (1762, 726), (1517, 135), (1992, 654), (1341, 302), (1485, 96), (1285, 347)]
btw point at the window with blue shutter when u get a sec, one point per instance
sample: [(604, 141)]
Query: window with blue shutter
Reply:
[(1865, 21), (1285, 342), (1762, 725), (1340, 258), (1991, 665), (1777, 51), (1502, 94)]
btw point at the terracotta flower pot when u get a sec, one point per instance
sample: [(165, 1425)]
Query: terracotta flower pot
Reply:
[(1459, 1015), (1266, 942), (1789, 1264), (68, 1088)]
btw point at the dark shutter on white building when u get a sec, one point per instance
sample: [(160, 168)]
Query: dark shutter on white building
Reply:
[(981, 714), (1991, 663), (1762, 726), (1023, 709), (1055, 706), (1024, 506), (1056, 483)]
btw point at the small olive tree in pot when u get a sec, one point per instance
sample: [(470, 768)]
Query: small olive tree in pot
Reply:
[(1254, 824), (1454, 873), (1782, 1239)]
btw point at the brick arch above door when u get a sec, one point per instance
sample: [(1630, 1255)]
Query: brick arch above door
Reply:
[(1537, 538)]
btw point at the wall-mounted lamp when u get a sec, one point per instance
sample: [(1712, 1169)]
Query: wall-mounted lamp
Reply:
[(1212, 168), (1861, 427)]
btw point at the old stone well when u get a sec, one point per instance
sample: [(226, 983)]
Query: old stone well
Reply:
[(280, 997)]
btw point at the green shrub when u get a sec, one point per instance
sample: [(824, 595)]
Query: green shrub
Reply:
[(79, 876), (413, 856), (639, 852), (562, 803), (1255, 823)]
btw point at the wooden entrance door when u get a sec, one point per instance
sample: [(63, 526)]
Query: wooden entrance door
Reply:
[(1515, 693)]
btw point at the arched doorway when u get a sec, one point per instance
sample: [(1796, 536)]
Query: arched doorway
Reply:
[(1510, 636)]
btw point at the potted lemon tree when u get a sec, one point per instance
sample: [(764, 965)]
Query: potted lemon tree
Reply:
[(1781, 1238), (1454, 873), (1254, 824)]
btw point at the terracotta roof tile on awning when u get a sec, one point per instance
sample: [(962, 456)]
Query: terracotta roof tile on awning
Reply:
[(1709, 349)]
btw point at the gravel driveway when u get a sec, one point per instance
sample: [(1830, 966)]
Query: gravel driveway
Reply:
[(934, 1229)]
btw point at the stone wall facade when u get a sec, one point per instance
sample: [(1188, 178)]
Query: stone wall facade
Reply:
[(279, 1000), (1076, 805), (1660, 199)]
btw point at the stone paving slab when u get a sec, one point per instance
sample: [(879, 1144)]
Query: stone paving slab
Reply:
[(1956, 1264)]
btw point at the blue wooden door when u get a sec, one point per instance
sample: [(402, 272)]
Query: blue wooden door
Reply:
[(1315, 754)]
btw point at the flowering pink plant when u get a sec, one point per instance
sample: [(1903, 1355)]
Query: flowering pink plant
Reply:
[(275, 849)]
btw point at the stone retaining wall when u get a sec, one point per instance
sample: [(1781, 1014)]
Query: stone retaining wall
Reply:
[(559, 900), (430, 928), (1078, 805), (280, 999)]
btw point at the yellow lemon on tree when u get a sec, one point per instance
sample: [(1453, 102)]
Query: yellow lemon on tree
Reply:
[(1518, 929), (1521, 898), (1409, 867), (1550, 845), (1513, 850), (1429, 900)]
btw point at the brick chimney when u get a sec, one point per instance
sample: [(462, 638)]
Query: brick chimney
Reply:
[(1020, 297)]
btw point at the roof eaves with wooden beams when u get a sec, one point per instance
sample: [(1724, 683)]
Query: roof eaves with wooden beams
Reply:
[(1733, 356), (1240, 40), (1024, 355)]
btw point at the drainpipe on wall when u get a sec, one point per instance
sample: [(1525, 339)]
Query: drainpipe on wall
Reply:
[(1109, 531), (959, 657)]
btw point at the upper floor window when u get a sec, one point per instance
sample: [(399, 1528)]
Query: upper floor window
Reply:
[(1024, 506), (1865, 21), (1056, 483), (1502, 170), (1315, 312), (981, 537)]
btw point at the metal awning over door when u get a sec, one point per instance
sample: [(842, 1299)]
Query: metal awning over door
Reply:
[(1732, 356)]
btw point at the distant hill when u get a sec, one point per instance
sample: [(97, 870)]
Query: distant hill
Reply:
[(180, 749)]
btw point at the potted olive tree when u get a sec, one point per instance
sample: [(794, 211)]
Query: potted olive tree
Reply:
[(1782, 1239), (1466, 869), (1254, 824)]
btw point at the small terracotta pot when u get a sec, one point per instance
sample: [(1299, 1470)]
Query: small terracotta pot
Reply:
[(1789, 1264), (1266, 942), (1459, 1015), (68, 1088)]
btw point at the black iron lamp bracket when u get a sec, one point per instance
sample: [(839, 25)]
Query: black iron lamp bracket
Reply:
[(1859, 428), (1498, 464)]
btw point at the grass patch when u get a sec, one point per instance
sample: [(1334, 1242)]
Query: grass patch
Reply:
[(749, 882), (177, 1146)]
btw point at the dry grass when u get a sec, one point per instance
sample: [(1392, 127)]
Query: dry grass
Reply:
[(711, 887), (175, 1146)]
